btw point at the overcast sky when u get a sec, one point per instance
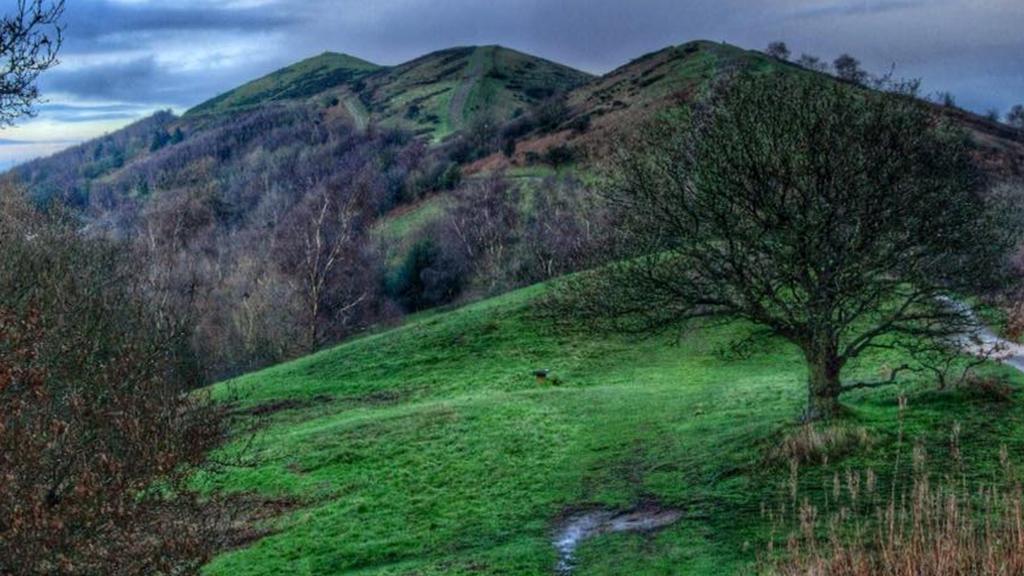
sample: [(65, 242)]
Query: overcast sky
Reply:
[(123, 59)]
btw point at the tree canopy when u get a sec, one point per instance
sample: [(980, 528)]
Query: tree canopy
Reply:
[(835, 217), (30, 39)]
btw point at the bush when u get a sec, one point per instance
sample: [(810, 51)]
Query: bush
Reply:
[(100, 431), (559, 156), (427, 277)]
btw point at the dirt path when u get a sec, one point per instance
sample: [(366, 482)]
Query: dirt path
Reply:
[(586, 525), (358, 112), (474, 72), (983, 342)]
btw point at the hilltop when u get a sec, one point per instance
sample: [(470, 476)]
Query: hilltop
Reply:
[(448, 90), (433, 95), (456, 92), (303, 79)]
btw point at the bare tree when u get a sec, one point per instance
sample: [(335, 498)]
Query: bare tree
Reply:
[(102, 430), (778, 50), (849, 69), (1015, 117), (834, 218), (484, 220), (562, 233), (30, 39), (322, 254), (812, 63)]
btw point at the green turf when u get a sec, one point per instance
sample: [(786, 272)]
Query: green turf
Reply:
[(430, 449), (489, 81), (302, 79)]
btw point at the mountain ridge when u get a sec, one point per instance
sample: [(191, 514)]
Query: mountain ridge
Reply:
[(458, 90), (304, 78)]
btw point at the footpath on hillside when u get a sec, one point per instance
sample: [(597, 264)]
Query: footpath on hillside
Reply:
[(474, 72)]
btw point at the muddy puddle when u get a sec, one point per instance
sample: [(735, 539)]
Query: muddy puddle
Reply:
[(585, 525)]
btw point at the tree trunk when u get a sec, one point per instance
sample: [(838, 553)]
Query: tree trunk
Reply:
[(823, 382)]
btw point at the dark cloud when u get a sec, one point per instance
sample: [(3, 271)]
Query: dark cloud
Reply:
[(76, 114), (131, 81), (135, 84), (855, 7), (97, 20)]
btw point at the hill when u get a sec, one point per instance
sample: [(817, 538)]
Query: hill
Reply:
[(431, 449), (433, 95), (228, 182), (303, 79), (670, 76), (678, 75), (443, 92)]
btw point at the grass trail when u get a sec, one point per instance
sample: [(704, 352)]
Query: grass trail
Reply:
[(474, 72), (358, 112)]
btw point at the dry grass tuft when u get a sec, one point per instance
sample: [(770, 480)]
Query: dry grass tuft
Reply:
[(936, 526), (818, 444)]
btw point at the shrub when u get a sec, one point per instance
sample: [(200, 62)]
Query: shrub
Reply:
[(849, 69), (100, 431), (427, 277), (559, 156), (778, 50)]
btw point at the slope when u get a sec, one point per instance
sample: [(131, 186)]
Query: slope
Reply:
[(617, 101), (306, 78), (445, 91), (430, 449)]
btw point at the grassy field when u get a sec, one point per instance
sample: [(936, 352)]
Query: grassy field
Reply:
[(431, 449)]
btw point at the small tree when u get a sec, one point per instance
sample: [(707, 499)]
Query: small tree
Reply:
[(946, 99), (322, 251), (848, 68), (30, 39), (778, 50), (1015, 117), (835, 218), (812, 63), (100, 428)]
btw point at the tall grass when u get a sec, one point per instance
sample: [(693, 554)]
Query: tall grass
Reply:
[(931, 525)]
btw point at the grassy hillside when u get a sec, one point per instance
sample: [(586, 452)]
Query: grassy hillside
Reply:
[(619, 100), (445, 91), (306, 78), (430, 449), (435, 95)]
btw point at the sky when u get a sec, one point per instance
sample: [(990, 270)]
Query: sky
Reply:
[(124, 59)]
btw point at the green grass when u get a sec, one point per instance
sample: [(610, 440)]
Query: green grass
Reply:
[(438, 453), (306, 78), (418, 95)]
